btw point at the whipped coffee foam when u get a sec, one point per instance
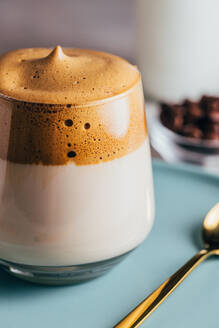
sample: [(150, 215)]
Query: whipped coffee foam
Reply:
[(67, 129), (76, 76)]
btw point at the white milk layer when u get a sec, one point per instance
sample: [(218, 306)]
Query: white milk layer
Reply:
[(65, 215)]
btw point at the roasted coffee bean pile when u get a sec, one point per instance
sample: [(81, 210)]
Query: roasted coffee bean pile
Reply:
[(199, 120)]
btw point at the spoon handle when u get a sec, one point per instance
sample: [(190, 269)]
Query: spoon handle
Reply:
[(143, 310)]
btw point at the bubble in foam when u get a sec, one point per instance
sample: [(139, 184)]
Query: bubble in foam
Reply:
[(87, 126), (68, 122), (71, 154)]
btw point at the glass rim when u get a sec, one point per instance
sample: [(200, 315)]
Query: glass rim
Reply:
[(84, 105)]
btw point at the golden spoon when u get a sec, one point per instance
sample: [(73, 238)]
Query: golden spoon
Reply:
[(210, 233)]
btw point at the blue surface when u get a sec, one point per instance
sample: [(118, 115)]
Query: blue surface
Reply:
[(183, 196)]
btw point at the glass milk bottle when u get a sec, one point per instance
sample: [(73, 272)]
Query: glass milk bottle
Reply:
[(178, 48)]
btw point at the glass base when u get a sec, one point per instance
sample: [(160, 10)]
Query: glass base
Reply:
[(61, 275)]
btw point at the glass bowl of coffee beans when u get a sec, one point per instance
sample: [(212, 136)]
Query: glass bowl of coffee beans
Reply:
[(187, 131)]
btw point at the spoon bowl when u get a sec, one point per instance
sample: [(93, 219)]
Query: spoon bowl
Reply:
[(210, 230)]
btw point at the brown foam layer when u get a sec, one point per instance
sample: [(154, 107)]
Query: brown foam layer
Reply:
[(75, 76), (60, 134), (78, 105)]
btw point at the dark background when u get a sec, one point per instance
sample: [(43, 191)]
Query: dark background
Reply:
[(99, 24)]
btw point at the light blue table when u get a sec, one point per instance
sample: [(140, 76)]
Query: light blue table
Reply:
[(183, 196)]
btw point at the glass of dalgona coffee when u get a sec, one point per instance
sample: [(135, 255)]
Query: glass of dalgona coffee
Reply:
[(76, 190)]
